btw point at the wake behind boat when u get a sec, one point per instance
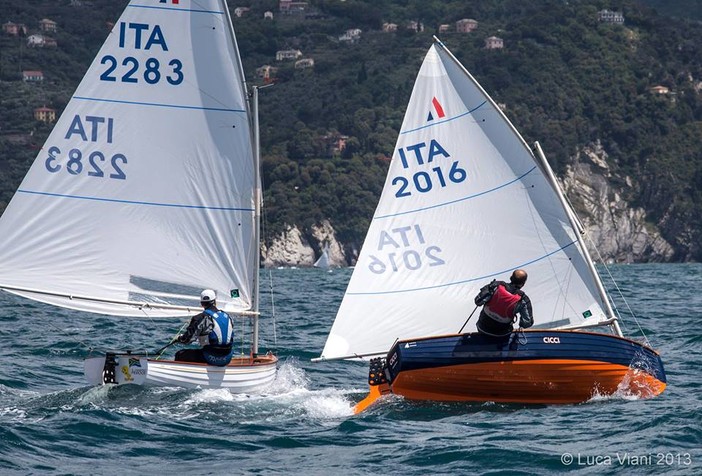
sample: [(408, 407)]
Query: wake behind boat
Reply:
[(467, 201), (148, 190)]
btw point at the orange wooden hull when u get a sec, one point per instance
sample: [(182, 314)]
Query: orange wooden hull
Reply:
[(532, 381), (547, 367)]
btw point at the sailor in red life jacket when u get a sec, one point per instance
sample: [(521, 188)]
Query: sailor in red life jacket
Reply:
[(502, 303)]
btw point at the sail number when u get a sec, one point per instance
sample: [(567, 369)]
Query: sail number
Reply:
[(404, 248), (408, 259), (424, 181), (95, 164), (151, 74)]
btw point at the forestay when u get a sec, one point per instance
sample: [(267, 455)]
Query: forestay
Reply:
[(144, 191), (464, 202)]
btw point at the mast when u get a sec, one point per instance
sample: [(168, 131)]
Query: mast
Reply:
[(579, 231), (257, 215), (252, 109)]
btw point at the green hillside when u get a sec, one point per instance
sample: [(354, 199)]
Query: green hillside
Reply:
[(565, 79)]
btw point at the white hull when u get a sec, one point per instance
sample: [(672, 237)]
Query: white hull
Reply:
[(237, 377), (242, 375)]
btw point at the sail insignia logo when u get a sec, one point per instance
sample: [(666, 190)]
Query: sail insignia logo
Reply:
[(437, 109), (174, 2)]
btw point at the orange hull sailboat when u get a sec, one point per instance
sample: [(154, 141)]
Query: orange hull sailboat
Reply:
[(466, 201)]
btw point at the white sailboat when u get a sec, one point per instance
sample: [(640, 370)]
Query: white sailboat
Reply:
[(323, 260), (148, 191), (467, 201)]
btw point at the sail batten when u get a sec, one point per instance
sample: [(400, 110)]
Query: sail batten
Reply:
[(136, 202), (470, 111), (152, 104)]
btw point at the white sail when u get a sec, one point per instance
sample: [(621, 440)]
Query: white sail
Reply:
[(323, 260), (145, 189), (464, 203)]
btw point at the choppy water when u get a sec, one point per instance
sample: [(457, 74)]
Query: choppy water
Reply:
[(51, 423)]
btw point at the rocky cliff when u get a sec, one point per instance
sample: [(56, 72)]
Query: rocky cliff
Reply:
[(615, 229), (297, 248)]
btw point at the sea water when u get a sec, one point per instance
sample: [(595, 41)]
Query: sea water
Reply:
[(52, 423)]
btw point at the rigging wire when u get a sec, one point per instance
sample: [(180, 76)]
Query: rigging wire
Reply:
[(264, 226), (619, 291), (275, 335), (88, 347)]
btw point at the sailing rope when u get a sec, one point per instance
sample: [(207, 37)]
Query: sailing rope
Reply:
[(619, 291), (264, 225), (88, 347), (275, 335), (171, 341), (242, 344)]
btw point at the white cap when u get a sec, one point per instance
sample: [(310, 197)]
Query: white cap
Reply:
[(207, 296)]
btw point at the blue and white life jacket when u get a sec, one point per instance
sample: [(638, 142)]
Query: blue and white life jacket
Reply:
[(222, 332)]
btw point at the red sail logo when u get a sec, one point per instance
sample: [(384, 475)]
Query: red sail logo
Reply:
[(436, 108)]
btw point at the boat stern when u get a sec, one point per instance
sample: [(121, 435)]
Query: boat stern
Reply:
[(378, 383), (116, 368)]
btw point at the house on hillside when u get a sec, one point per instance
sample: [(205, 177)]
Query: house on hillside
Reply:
[(47, 25), (290, 7), (268, 15), (466, 25), (35, 40), (14, 29), (45, 114), (240, 11), (389, 27), (444, 28), (607, 16), (41, 41), (351, 36), (415, 26), (32, 76), (659, 90), (283, 55), (266, 72), (334, 143), (304, 63), (494, 43)]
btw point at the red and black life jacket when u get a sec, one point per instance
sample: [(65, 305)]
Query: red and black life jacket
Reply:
[(502, 305)]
